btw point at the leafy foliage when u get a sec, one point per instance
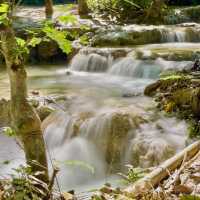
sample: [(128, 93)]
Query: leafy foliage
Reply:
[(194, 129), (122, 10), (133, 174), (68, 19), (22, 46), (59, 37), (9, 132), (4, 8), (34, 41), (24, 185)]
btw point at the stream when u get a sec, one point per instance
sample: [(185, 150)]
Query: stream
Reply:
[(105, 122), (117, 124)]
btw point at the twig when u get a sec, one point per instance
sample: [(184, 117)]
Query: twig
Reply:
[(52, 180)]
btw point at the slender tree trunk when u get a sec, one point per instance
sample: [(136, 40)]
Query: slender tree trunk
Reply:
[(83, 8), (24, 119), (49, 9)]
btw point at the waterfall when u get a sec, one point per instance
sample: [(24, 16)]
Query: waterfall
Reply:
[(155, 142), (79, 161), (173, 65), (169, 35), (109, 140), (90, 63), (180, 36), (128, 66), (62, 125)]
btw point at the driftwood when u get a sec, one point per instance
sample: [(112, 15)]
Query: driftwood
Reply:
[(163, 171)]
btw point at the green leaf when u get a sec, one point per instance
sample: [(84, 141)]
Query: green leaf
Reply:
[(4, 8), (68, 19), (34, 41), (9, 132), (20, 42), (4, 19), (59, 37), (22, 46), (84, 40), (133, 4)]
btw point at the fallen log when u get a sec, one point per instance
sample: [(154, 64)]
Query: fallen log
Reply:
[(156, 176)]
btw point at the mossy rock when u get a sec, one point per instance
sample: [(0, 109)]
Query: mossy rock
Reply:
[(167, 85), (125, 38)]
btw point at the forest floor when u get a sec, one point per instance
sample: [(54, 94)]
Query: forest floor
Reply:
[(183, 183)]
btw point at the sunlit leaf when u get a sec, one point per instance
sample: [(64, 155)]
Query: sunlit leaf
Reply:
[(59, 37), (68, 19), (34, 41), (4, 8)]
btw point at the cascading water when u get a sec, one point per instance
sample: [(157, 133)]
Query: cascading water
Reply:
[(169, 35), (90, 63), (106, 121), (135, 68)]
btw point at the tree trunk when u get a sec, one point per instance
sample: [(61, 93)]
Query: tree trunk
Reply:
[(24, 119), (155, 14), (83, 8), (49, 9)]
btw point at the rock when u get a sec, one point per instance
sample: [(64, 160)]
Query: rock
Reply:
[(195, 101), (44, 112), (47, 49), (151, 89), (120, 37), (34, 92), (147, 153), (68, 73), (183, 189)]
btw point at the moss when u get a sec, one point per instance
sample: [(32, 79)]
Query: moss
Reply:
[(167, 84)]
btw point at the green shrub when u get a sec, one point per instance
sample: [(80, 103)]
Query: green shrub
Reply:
[(128, 10)]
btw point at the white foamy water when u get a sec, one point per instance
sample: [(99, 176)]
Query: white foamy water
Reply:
[(91, 63), (169, 35)]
